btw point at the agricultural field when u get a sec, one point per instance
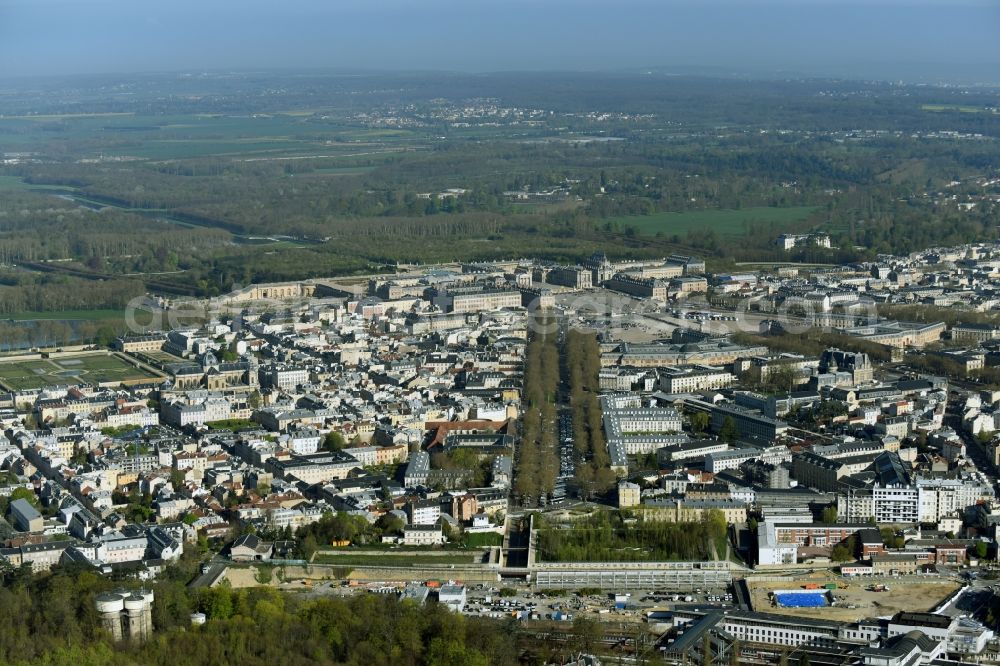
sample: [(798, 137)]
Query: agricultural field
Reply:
[(725, 222), (938, 108), (89, 369), (173, 137)]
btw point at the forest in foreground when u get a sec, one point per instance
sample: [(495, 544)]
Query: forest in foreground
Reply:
[(50, 620)]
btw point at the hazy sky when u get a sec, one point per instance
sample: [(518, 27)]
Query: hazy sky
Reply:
[(850, 37)]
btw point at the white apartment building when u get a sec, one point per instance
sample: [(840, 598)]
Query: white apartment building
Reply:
[(116, 418), (365, 455), (121, 548), (938, 498), (649, 420), (197, 410), (423, 535), (732, 459), (424, 512), (304, 442), (284, 377), (925, 501), (690, 378), (896, 504), (856, 506)]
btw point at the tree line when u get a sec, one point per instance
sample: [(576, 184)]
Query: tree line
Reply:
[(814, 341), (537, 457), (582, 366)]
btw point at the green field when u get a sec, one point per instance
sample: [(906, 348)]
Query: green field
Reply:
[(188, 148), (725, 222), (70, 116), (68, 370), (482, 539), (954, 107), (340, 171), (15, 183)]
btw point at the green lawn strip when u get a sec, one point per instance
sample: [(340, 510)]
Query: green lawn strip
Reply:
[(725, 222)]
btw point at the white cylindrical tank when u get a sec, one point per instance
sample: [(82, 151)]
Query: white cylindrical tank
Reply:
[(109, 602), (139, 617), (109, 605), (148, 596), (197, 618), (135, 603)]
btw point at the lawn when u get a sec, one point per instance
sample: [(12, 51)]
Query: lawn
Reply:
[(482, 539), (726, 222), (68, 370), (15, 183)]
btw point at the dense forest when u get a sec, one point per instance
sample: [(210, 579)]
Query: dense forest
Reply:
[(50, 620)]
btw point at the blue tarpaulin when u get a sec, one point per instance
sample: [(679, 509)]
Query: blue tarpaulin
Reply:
[(802, 599)]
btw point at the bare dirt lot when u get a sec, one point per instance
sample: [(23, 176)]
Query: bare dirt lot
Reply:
[(856, 602)]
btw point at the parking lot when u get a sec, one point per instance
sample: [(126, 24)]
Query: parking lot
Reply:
[(546, 605)]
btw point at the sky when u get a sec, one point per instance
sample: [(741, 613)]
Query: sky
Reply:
[(907, 39)]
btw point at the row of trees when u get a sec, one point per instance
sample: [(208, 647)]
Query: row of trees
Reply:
[(53, 293), (814, 341), (537, 456), (47, 333), (582, 366)]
